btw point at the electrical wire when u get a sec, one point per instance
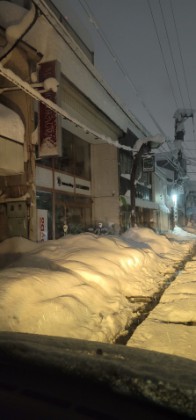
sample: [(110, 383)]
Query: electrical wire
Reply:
[(162, 53), (116, 59), (124, 71), (14, 45), (182, 61), (118, 62), (165, 65), (75, 50), (180, 51), (171, 53)]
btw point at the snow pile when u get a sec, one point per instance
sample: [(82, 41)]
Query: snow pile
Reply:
[(78, 286), (180, 234), (160, 244)]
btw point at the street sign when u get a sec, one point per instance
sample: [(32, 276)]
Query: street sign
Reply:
[(149, 164)]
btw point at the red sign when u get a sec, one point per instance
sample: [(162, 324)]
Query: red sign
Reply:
[(49, 121), (42, 228), (42, 225)]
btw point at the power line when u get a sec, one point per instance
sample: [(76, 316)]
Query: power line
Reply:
[(118, 62), (124, 70), (171, 53), (44, 8), (182, 61), (180, 51), (165, 65), (162, 53)]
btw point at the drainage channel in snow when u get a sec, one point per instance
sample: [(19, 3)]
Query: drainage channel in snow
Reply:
[(145, 304)]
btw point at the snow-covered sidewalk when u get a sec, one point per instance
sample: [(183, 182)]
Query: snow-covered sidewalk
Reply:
[(80, 286), (171, 327)]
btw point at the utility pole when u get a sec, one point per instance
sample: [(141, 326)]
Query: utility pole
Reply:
[(181, 115)]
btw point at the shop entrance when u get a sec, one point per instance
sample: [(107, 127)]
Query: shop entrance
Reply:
[(75, 212)]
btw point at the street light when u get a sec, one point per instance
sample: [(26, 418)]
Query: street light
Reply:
[(174, 199)]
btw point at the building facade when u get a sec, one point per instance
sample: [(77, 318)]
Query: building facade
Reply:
[(68, 171)]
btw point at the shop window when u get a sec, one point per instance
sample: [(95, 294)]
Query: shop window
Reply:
[(125, 162), (75, 157), (82, 158), (142, 188), (65, 163), (72, 211)]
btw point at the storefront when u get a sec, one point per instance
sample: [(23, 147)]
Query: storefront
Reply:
[(63, 190)]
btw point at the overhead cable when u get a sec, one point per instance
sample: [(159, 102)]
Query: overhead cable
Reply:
[(162, 53), (182, 61), (123, 69), (118, 62), (171, 53), (32, 13)]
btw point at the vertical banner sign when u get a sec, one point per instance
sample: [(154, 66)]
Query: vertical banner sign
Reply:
[(42, 225), (49, 121)]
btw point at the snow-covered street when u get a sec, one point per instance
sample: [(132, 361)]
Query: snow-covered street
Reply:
[(171, 326), (93, 287)]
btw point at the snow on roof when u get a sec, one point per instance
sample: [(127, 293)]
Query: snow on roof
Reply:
[(16, 21), (10, 13), (156, 140), (11, 125), (14, 78), (14, 32)]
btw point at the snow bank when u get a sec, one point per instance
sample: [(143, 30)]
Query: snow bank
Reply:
[(17, 245), (159, 243), (78, 286)]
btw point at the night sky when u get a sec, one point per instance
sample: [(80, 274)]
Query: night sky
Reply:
[(145, 50)]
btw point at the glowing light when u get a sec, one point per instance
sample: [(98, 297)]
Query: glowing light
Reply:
[(174, 199)]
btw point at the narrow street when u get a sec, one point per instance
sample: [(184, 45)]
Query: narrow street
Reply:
[(169, 314)]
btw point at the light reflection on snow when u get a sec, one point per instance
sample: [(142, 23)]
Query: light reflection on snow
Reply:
[(78, 286)]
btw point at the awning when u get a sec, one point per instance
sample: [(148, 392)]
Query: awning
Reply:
[(11, 125)]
